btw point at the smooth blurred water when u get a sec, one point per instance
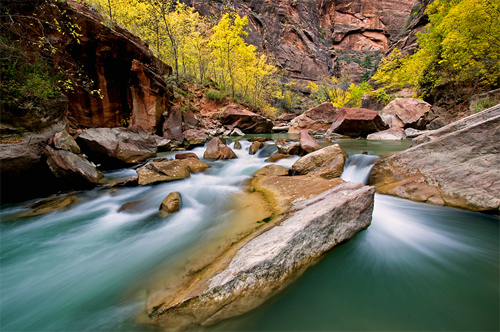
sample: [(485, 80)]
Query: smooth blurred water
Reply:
[(418, 267)]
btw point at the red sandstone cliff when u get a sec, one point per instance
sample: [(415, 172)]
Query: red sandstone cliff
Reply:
[(311, 38)]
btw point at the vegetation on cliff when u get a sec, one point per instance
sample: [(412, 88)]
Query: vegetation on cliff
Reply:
[(461, 47), (207, 48)]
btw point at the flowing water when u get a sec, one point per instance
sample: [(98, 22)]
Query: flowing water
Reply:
[(417, 267)]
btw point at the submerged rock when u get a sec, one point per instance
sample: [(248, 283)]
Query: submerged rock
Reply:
[(270, 261), (216, 149), (170, 204), (47, 205), (327, 163), (457, 165)]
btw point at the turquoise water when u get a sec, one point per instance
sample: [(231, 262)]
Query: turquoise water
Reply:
[(88, 268)]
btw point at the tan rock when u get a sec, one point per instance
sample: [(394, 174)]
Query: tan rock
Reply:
[(357, 122), (171, 170), (256, 146), (273, 170), (47, 205), (275, 157), (406, 113), (327, 163), (170, 204)]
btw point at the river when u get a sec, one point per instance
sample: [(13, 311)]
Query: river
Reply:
[(88, 268)]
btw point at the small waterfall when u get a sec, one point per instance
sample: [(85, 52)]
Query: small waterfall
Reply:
[(358, 168)]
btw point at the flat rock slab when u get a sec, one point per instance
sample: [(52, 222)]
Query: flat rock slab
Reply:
[(270, 261), (457, 165)]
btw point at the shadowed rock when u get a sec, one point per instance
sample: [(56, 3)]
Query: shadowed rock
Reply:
[(113, 147), (357, 122), (246, 121), (75, 171)]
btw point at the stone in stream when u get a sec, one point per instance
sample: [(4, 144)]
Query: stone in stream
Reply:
[(256, 146), (186, 155), (245, 120), (169, 170), (273, 170), (170, 204), (216, 149), (288, 148), (392, 134), (259, 267), (307, 143), (327, 163), (275, 157), (237, 144), (457, 165), (47, 205), (131, 207)]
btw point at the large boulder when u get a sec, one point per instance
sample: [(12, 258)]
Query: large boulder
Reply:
[(307, 143), (75, 171), (172, 126), (327, 163), (357, 122), (115, 147), (169, 170), (266, 264), (194, 137), (457, 165), (406, 113), (216, 149), (316, 118), (246, 121)]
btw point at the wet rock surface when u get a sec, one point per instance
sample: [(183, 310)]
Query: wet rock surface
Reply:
[(270, 261)]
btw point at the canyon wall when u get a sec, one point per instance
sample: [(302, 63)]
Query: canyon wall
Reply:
[(316, 38)]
